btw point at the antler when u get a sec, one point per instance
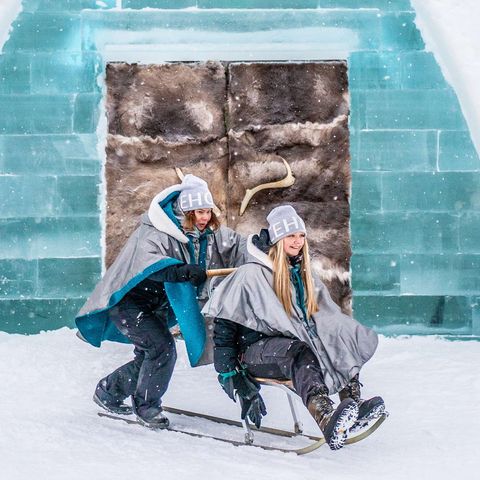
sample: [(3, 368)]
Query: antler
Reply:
[(180, 174), (288, 181)]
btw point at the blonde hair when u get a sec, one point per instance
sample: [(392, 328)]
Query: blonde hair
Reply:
[(281, 278), (189, 221)]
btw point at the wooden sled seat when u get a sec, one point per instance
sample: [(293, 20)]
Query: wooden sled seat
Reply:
[(275, 381)]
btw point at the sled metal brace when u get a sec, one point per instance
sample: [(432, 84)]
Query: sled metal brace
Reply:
[(248, 434), (287, 388)]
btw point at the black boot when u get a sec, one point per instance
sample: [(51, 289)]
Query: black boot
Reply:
[(334, 423), (367, 409), (158, 421), (117, 407), (151, 417)]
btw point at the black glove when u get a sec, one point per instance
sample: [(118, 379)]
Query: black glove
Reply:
[(254, 408), (262, 240), (195, 274), (247, 390), (181, 273)]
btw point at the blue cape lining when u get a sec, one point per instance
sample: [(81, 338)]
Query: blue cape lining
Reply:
[(96, 326)]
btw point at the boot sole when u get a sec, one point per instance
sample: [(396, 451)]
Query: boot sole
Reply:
[(376, 412), (344, 422)]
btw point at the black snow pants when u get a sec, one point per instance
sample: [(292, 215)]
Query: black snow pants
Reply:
[(147, 376), (286, 358)]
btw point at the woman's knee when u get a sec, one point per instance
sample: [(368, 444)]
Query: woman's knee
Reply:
[(299, 349), (160, 346), (164, 353)]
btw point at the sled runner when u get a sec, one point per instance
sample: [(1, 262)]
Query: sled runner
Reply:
[(315, 442), (250, 431)]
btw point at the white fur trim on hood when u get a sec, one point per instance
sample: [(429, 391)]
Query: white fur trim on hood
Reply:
[(258, 254), (160, 220)]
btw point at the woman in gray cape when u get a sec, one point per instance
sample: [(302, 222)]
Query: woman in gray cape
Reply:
[(158, 279), (274, 319)]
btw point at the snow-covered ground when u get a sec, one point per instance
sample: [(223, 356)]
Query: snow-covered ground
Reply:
[(49, 428)]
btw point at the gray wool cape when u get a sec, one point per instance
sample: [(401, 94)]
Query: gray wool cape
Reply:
[(247, 297), (157, 243)]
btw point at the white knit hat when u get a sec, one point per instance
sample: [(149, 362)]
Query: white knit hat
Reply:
[(283, 221), (195, 194)]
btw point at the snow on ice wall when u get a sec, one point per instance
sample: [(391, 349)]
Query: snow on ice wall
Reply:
[(416, 176)]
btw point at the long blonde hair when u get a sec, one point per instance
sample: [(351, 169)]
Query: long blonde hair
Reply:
[(281, 278)]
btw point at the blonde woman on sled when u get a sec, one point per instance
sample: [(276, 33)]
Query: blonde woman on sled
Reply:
[(275, 319)]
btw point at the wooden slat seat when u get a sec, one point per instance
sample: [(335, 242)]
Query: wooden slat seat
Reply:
[(275, 381)]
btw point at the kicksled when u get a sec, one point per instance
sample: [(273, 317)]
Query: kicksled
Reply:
[(310, 443)]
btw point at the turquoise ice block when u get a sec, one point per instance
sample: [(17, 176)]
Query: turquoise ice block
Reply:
[(294, 4), (170, 4), (29, 316), (65, 72), (36, 114), (403, 232), (386, 5), (375, 273), (399, 32), (31, 238), (18, 278), (65, 5), (71, 277), (366, 192), (415, 314), (394, 151), (49, 154), (27, 196), (413, 109), (394, 70), (350, 28), (14, 73), (51, 32), (469, 232), (87, 112), (444, 274), (77, 195), (436, 192), (457, 152)]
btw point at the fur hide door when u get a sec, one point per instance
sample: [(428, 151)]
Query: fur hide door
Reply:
[(236, 125)]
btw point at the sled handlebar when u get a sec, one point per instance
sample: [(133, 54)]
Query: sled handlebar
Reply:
[(219, 272)]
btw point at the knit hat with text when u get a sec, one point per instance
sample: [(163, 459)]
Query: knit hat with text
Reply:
[(283, 221), (194, 194)]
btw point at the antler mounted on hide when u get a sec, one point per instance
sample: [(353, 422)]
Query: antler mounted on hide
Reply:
[(179, 173), (288, 181)]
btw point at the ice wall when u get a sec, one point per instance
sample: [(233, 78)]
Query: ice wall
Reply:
[(416, 175)]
